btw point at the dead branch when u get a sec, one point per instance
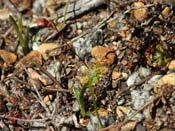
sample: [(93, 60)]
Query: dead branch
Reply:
[(79, 7)]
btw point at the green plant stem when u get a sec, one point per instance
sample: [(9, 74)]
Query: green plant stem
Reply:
[(23, 38), (65, 13), (82, 107)]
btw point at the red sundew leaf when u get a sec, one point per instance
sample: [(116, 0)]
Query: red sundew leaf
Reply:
[(43, 23), (149, 52)]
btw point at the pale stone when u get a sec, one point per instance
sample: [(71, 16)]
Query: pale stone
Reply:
[(140, 13)]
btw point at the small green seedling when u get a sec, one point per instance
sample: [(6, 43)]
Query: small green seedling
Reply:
[(160, 57), (93, 77), (23, 37)]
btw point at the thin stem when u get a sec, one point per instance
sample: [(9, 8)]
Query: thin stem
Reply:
[(81, 100), (65, 12), (91, 89)]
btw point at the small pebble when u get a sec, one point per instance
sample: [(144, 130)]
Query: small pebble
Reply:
[(75, 107)]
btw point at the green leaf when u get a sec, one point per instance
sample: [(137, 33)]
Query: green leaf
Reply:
[(20, 24), (14, 23), (23, 39), (18, 31), (80, 100), (88, 113), (76, 93)]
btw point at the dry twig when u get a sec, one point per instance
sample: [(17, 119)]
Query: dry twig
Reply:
[(118, 126), (59, 87), (139, 83)]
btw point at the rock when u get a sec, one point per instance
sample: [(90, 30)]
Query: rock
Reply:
[(48, 49), (7, 57), (124, 62), (144, 71), (139, 14), (138, 117), (139, 127), (83, 121), (168, 79), (134, 78), (129, 126), (138, 76), (139, 98), (38, 7), (75, 121), (118, 25), (150, 84), (120, 100), (121, 111), (83, 46), (4, 14), (115, 75), (164, 13), (103, 55), (64, 128), (70, 84), (35, 76), (75, 106), (171, 65), (47, 99), (93, 124), (54, 68), (83, 70)]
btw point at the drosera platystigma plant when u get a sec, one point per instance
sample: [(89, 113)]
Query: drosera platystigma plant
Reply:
[(160, 57), (22, 36), (93, 76)]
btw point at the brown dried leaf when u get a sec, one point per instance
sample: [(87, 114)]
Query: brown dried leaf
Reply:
[(8, 57), (33, 74), (36, 76), (48, 49), (26, 61)]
